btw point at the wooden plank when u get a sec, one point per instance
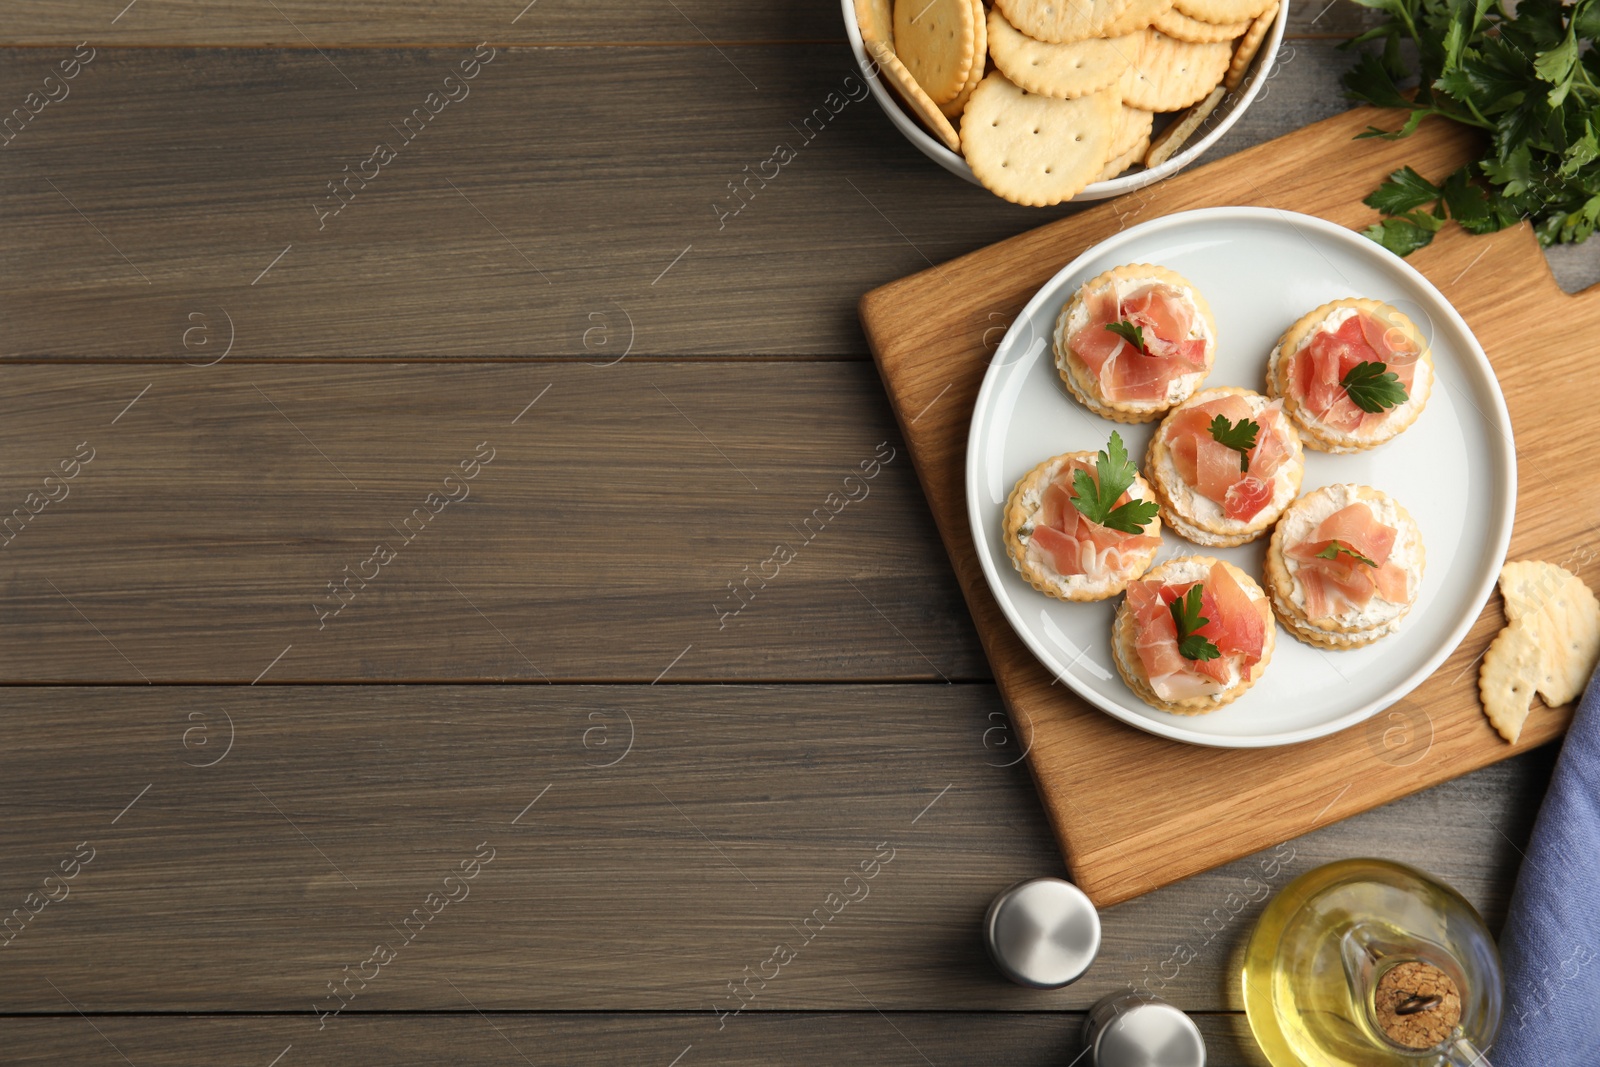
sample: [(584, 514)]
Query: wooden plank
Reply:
[(761, 514), (576, 204), (906, 1039), (298, 24), (1210, 805), (649, 884)]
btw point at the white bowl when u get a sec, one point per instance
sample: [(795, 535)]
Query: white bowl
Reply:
[(1217, 123)]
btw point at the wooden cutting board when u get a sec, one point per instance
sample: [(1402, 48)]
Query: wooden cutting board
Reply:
[(1132, 811)]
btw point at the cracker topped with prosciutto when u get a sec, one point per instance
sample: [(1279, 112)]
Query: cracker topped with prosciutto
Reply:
[(1134, 341), (1081, 525), (1344, 566), (1352, 374), (1193, 635), (1225, 464)]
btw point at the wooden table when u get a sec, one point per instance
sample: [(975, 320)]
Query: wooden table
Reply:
[(379, 654)]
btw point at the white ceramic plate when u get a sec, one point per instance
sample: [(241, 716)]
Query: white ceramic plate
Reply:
[(1454, 469), (1262, 70)]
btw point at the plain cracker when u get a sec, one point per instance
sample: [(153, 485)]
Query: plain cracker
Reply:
[(1221, 11), (890, 67), (952, 109), (1036, 150), (1068, 70), (1133, 128), (875, 19), (1060, 21), (1169, 74), (1127, 159), (1248, 46), (1175, 23), (937, 41), (1510, 673), (1563, 612), (1167, 143)]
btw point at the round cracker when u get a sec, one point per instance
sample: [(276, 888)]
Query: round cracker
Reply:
[(1563, 612), (1060, 21), (895, 73), (1068, 70), (1169, 74), (1036, 150), (937, 41), (953, 108), (1248, 46), (1510, 673), (1314, 432), (1221, 11), (1166, 144), (1133, 126), (1079, 587), (1122, 162), (1175, 23), (1124, 649), (1280, 582), (875, 19)]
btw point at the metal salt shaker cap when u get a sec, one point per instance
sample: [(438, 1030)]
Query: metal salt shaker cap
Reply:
[(1139, 1030), (1042, 933)]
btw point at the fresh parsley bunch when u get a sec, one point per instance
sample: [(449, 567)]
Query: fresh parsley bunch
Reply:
[(1531, 81)]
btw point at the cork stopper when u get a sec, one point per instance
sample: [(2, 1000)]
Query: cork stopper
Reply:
[(1417, 1005)]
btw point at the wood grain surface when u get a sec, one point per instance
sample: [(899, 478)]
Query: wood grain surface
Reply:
[(577, 203), (649, 844), (568, 225), (300, 24), (1134, 811), (631, 512), (868, 1039)]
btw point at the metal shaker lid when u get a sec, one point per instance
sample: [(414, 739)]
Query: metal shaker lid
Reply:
[(1139, 1030), (1042, 933)]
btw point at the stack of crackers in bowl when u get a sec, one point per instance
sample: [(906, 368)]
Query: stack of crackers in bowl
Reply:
[(1044, 98)]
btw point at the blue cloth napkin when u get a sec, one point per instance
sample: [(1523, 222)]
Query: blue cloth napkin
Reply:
[(1551, 943)]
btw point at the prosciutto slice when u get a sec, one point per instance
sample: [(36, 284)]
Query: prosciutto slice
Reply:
[(1073, 544), (1316, 372), (1235, 623), (1212, 468), (1344, 583), (1122, 371)]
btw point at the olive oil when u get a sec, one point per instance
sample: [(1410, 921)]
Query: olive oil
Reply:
[(1335, 936)]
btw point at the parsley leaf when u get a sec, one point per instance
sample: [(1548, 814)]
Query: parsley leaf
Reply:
[(1373, 387), (1335, 547), (1240, 436), (1097, 497), (1401, 236), (1130, 333), (1405, 190), (1525, 75), (1186, 616)]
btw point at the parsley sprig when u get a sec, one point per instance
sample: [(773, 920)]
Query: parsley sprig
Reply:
[(1186, 616), (1239, 436), (1130, 333), (1333, 549), (1530, 80), (1097, 497), (1373, 387)]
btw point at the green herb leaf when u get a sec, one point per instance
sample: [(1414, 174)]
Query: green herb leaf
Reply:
[(1130, 333), (1404, 191), (1097, 497), (1526, 74), (1187, 618), (1334, 548), (1240, 436), (1373, 387), (1399, 235)]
